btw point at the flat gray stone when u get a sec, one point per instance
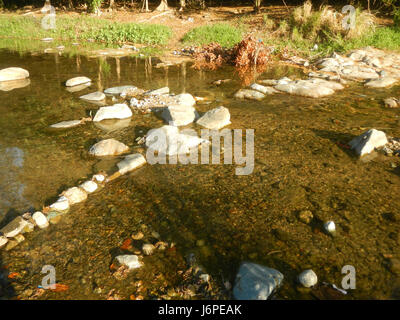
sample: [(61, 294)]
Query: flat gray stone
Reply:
[(263, 89), (117, 111), (255, 282), (215, 119), (77, 81), (108, 147), (94, 96), (157, 92)]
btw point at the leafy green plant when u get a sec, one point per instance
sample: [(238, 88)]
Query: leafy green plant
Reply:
[(224, 34)]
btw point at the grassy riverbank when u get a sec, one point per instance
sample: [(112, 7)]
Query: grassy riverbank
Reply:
[(84, 28)]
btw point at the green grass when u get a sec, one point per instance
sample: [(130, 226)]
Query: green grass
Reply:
[(83, 28), (224, 34)]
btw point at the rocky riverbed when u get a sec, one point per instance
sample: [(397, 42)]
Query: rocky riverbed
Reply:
[(136, 231)]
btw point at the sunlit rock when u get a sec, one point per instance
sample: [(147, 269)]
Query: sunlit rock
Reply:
[(13, 73), (130, 163), (368, 141), (94, 96), (108, 147), (263, 89), (249, 94), (215, 119), (381, 83), (89, 186), (61, 204), (179, 115), (40, 220), (129, 260), (75, 195), (77, 81), (169, 141), (117, 111), (14, 227)]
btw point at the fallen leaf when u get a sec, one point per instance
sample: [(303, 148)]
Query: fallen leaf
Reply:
[(60, 287), (127, 244), (13, 275)]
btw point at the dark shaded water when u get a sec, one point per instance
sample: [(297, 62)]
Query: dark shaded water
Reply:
[(299, 164)]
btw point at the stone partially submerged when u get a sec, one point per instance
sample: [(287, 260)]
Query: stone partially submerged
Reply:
[(129, 260), (130, 163), (215, 119), (13, 73), (179, 115), (255, 282), (167, 140), (368, 142), (249, 94), (108, 147), (75, 195), (119, 90), (94, 96), (313, 88), (77, 81), (117, 111), (263, 89), (14, 228), (66, 124), (381, 83)]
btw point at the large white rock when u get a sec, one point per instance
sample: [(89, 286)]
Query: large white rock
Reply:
[(313, 88), (108, 147), (308, 278), (179, 115), (61, 204), (129, 260), (77, 81), (263, 89), (215, 119), (185, 99), (89, 186), (119, 90), (14, 228), (130, 163), (94, 96), (117, 111), (368, 141), (255, 282), (75, 195), (40, 220), (13, 73), (249, 94), (381, 83), (169, 141)]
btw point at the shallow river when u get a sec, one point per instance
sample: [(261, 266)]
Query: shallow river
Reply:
[(300, 164)]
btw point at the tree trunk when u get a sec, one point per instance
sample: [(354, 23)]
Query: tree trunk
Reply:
[(182, 4), (111, 3), (257, 6), (163, 6)]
